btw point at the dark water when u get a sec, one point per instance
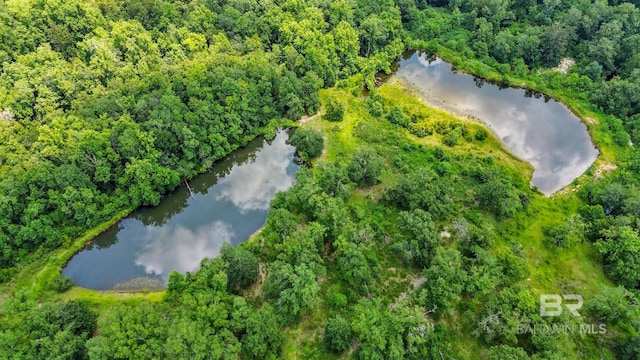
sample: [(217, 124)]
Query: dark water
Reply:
[(229, 204), (537, 129)]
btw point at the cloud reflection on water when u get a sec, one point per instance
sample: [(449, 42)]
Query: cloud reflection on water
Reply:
[(252, 185), (169, 248), (544, 133)]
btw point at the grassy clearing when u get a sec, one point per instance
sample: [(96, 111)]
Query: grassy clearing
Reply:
[(574, 270), (408, 99), (39, 275)]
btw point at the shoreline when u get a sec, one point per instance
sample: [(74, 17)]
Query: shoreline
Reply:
[(587, 120)]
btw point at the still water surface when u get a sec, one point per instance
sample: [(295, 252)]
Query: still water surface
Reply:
[(229, 203), (535, 128)]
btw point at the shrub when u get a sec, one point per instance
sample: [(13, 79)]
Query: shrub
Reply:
[(376, 105), (308, 143), (481, 134), (396, 116), (365, 167), (334, 111), (337, 334), (337, 301), (243, 268), (62, 283)]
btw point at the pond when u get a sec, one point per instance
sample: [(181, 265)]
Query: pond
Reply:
[(534, 127), (228, 204)]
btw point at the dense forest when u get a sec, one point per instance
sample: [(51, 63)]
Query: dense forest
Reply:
[(413, 235)]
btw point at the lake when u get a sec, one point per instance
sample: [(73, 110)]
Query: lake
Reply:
[(535, 128), (228, 204)]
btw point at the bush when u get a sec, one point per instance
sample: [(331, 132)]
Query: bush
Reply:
[(396, 116), (506, 352), (337, 301), (564, 235), (365, 167), (481, 134), (61, 284), (243, 268), (631, 349), (611, 305), (451, 139), (500, 197), (308, 143), (376, 105), (335, 110), (337, 334)]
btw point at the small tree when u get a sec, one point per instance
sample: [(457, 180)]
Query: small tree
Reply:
[(337, 334), (500, 197), (334, 110), (243, 268), (631, 349), (621, 251), (376, 105), (564, 235), (446, 278), (397, 116), (308, 143), (61, 283), (365, 167), (263, 338)]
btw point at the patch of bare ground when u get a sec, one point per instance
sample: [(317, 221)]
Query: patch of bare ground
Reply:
[(325, 149), (603, 169), (564, 65), (255, 289), (590, 120), (415, 284), (305, 119)]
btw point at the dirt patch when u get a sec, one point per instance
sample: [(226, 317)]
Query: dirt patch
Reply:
[(305, 119), (415, 284), (603, 169), (418, 282), (564, 65), (590, 120)]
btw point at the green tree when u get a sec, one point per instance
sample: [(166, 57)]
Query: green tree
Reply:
[(264, 336), (423, 189), (612, 305), (242, 267), (136, 332), (500, 197), (334, 110), (357, 265), (397, 116), (364, 167), (308, 143), (631, 349), (291, 289), (333, 180), (621, 251), (565, 235), (445, 280), (337, 334), (506, 352), (421, 240)]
